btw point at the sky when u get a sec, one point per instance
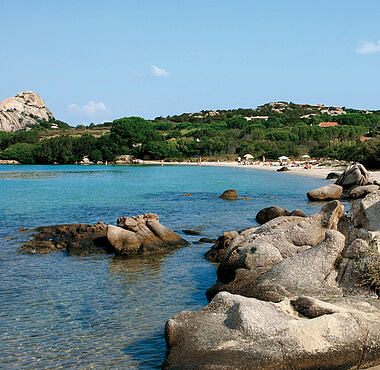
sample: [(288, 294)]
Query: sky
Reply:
[(99, 60)]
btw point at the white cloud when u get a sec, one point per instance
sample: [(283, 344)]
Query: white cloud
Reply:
[(91, 110), (368, 47), (159, 72)]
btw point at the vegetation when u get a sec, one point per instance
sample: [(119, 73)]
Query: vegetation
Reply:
[(368, 268), (271, 130)]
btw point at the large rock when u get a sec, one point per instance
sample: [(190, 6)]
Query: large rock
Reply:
[(327, 192), (27, 108), (255, 251), (362, 191), (230, 194), (75, 239), (363, 220), (234, 332), (217, 251), (269, 213), (142, 234), (311, 272), (355, 175)]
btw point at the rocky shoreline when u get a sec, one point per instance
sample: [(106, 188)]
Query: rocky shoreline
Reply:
[(294, 293)]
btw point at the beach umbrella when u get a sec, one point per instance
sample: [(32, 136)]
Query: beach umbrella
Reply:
[(306, 156), (248, 156), (283, 158)]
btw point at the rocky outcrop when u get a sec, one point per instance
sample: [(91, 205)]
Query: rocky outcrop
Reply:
[(141, 235), (312, 273), (310, 307), (74, 239), (269, 213), (230, 194), (235, 332), (133, 235), (254, 251), (362, 221), (355, 175), (26, 108), (327, 192)]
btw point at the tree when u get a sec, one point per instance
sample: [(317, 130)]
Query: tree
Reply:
[(133, 130)]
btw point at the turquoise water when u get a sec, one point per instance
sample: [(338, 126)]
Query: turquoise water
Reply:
[(99, 311)]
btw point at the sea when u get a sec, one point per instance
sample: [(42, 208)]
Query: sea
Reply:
[(105, 311)]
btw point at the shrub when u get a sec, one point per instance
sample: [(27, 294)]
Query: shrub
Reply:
[(368, 267)]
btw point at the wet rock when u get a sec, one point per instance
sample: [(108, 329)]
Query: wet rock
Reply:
[(327, 192), (191, 232), (230, 194), (75, 239)]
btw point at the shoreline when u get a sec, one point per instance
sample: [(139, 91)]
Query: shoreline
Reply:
[(315, 171)]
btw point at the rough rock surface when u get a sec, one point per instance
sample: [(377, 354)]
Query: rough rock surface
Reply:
[(75, 239), (327, 192), (216, 253), (235, 332), (312, 273), (230, 194), (355, 175), (24, 109), (142, 234), (362, 191), (363, 220), (254, 251)]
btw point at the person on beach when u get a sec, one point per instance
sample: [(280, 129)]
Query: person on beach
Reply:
[(239, 160)]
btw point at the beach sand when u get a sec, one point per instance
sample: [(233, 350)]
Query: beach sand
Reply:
[(314, 171)]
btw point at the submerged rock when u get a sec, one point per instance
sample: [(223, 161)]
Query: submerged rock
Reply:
[(75, 239)]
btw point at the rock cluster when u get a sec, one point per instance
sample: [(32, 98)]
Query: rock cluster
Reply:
[(289, 296), (355, 182), (26, 108), (133, 236)]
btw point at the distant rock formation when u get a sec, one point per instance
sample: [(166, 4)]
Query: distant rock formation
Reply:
[(26, 108)]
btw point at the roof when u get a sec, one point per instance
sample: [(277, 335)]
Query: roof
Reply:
[(328, 124)]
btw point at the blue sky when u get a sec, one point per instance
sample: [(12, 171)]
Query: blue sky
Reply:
[(100, 60)]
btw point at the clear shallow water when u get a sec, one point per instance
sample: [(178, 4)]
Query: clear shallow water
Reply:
[(99, 311)]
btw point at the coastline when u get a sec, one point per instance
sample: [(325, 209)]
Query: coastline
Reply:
[(314, 171)]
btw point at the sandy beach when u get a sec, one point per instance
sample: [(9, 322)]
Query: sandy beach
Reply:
[(314, 171)]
